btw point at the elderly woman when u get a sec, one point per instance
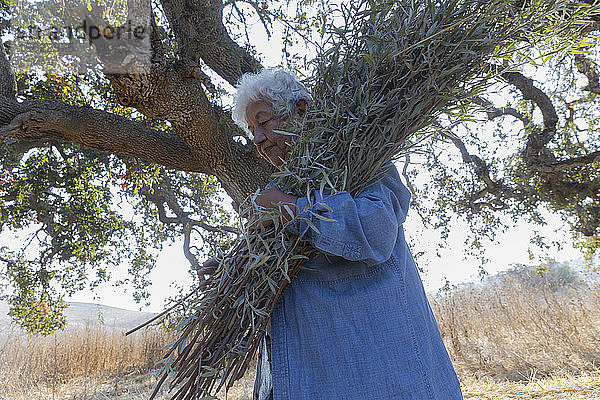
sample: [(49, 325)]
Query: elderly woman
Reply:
[(355, 323)]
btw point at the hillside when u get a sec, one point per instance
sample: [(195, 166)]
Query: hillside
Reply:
[(89, 314)]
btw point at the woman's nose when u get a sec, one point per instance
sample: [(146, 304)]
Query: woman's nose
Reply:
[(259, 135)]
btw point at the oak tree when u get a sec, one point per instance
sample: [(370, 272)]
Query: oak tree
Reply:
[(106, 166)]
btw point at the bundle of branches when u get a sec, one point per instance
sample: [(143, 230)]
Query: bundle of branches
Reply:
[(379, 82)]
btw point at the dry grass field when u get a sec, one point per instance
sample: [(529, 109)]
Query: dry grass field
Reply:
[(507, 341), (91, 363), (509, 330), (30, 364)]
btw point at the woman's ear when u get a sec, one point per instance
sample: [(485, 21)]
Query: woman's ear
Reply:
[(300, 108)]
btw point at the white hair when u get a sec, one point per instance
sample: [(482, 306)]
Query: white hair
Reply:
[(277, 86)]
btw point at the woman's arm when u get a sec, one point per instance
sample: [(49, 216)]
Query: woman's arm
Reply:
[(364, 228)]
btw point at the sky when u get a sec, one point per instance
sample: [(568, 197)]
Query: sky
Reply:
[(171, 274)]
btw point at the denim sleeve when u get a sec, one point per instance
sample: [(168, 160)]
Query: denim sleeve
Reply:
[(364, 228)]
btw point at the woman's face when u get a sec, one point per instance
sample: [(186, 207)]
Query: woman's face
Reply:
[(263, 122)]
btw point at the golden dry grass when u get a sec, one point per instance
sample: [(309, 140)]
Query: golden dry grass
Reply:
[(91, 363), (129, 386), (510, 330), (30, 362), (583, 386), (507, 341)]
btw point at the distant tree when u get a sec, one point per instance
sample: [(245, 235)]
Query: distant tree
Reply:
[(549, 274), (557, 274)]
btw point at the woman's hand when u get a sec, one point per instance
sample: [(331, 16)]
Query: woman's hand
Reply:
[(272, 198), (209, 267)]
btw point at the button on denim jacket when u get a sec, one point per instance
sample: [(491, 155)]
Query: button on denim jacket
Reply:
[(355, 323)]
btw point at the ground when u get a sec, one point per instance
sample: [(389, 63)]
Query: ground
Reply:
[(139, 386)]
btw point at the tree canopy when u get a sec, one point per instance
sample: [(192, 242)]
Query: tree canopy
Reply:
[(107, 165)]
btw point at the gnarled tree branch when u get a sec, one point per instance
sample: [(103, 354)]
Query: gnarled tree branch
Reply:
[(495, 188), (173, 90), (572, 162), (495, 112), (42, 120), (162, 197), (537, 140), (538, 158)]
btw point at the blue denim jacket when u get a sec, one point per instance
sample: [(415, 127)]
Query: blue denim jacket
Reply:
[(355, 323)]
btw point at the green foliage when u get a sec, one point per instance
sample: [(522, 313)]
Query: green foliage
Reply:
[(5, 5), (34, 305), (84, 213), (589, 247)]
